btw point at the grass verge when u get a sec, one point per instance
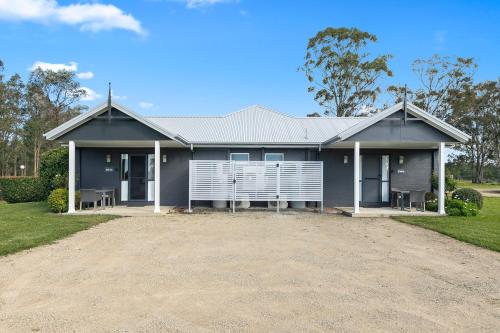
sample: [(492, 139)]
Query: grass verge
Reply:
[(482, 186), (482, 230), (26, 225)]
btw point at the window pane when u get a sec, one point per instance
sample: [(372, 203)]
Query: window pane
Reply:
[(360, 167), (385, 167), (385, 191), (151, 166), (274, 157), (239, 157), (360, 177), (124, 167)]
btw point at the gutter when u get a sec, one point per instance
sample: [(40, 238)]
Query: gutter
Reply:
[(256, 145)]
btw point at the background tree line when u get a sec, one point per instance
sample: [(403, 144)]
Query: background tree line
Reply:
[(28, 110), (346, 80)]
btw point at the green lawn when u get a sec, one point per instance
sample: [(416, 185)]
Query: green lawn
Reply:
[(468, 183), (482, 230), (26, 225)]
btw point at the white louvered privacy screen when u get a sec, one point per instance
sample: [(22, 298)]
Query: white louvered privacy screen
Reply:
[(256, 181)]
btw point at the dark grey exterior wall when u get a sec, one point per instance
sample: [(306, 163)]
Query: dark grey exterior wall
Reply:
[(122, 128), (338, 177), (415, 173), (174, 177), (210, 154), (255, 154), (393, 129)]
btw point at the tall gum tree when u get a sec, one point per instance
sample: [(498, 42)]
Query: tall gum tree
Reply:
[(343, 75), (51, 99)]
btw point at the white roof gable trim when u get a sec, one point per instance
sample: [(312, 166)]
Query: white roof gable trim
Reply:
[(412, 109), (87, 116)]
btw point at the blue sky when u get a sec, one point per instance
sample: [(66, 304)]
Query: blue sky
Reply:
[(178, 57)]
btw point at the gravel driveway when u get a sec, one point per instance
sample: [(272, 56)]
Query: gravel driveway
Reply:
[(251, 272)]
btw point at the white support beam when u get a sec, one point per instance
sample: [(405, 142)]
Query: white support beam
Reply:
[(157, 177), (71, 178), (441, 176), (356, 177)]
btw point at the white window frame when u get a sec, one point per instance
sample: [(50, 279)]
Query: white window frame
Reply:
[(280, 154), (150, 177), (232, 154), (385, 179), (124, 179)]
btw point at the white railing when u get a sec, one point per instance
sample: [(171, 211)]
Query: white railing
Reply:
[(256, 181)]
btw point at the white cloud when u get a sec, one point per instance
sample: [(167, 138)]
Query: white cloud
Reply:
[(45, 66), (88, 16), (145, 105), (71, 66), (202, 3), (85, 75), (90, 95)]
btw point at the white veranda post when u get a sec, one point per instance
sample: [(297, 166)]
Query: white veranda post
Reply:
[(356, 177), (71, 178), (441, 176), (157, 177)]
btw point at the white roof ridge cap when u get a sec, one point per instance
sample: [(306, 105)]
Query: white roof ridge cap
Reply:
[(258, 106)]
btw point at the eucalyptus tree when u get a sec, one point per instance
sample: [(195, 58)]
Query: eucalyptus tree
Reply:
[(341, 72), (440, 77), (11, 119), (51, 99), (476, 110)]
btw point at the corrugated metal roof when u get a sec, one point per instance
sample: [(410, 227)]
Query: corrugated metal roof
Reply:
[(255, 125)]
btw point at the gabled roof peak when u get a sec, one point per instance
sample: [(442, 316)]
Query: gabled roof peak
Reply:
[(411, 109)]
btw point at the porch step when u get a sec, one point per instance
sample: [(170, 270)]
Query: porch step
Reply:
[(383, 212)]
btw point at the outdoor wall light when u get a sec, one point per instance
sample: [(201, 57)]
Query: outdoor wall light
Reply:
[(108, 158), (164, 158), (346, 159), (401, 159)]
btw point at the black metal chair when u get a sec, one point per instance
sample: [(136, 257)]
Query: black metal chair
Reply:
[(89, 196), (418, 196)]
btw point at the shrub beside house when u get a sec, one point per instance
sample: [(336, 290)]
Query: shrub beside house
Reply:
[(50, 186), (22, 189)]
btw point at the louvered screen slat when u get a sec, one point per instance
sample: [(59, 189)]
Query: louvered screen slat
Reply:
[(256, 180)]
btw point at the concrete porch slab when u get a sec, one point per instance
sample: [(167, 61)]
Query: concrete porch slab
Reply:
[(127, 211), (384, 212)]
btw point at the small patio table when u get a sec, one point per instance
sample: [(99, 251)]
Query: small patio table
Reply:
[(103, 193), (400, 195)]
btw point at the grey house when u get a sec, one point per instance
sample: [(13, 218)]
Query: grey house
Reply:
[(146, 159)]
